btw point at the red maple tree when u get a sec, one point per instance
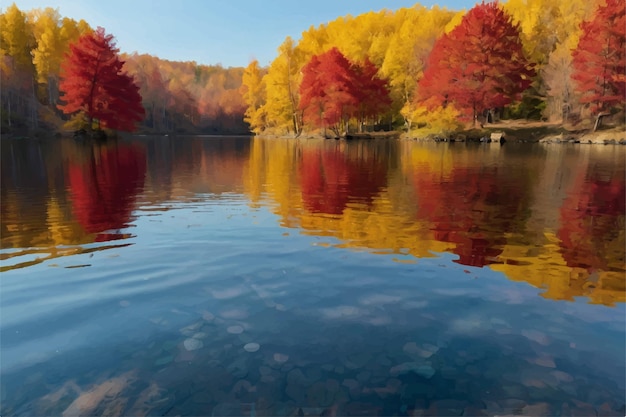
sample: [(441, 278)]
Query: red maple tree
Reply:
[(94, 82), (478, 65), (327, 95), (372, 91), (334, 89), (600, 58)]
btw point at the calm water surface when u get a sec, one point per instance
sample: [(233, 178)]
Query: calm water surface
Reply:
[(236, 276)]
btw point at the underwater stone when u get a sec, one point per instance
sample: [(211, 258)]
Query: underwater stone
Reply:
[(192, 344), (281, 357), (426, 371), (234, 329), (251, 347)]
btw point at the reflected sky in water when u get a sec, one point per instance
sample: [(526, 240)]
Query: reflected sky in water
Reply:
[(238, 276)]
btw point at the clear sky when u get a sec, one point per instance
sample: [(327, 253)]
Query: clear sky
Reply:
[(226, 32)]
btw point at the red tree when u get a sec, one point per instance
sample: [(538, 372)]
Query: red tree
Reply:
[(372, 92), (327, 94), (93, 82), (478, 65), (600, 58), (334, 89)]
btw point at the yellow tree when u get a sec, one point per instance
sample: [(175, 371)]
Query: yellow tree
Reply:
[(281, 83), (361, 37), (17, 37), (253, 89), (549, 27), (560, 91), (408, 51), (538, 30), (48, 54), (17, 40), (561, 101), (314, 41)]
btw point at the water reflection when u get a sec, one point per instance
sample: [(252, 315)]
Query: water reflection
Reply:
[(103, 183), (554, 219), (220, 307), (61, 197), (489, 205), (333, 175)]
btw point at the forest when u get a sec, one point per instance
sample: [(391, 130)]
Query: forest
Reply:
[(413, 68), (180, 97)]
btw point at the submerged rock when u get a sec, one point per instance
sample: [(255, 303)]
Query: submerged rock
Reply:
[(281, 357), (404, 368), (251, 347), (426, 371), (234, 329), (164, 360), (192, 344), (191, 329)]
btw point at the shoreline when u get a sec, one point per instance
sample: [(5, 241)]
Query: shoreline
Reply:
[(532, 132), (544, 134)]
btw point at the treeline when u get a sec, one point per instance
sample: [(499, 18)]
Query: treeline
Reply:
[(434, 68), (177, 96), (561, 61), (187, 97)]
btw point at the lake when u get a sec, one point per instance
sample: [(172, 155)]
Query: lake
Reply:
[(236, 276)]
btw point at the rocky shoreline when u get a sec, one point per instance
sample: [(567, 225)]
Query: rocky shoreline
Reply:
[(609, 137), (615, 136)]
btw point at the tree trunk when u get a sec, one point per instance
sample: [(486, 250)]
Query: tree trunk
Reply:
[(474, 111), (598, 122), (9, 108)]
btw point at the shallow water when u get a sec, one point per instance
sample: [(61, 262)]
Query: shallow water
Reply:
[(237, 276)]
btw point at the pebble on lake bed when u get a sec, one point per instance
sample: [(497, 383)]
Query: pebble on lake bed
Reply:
[(234, 329), (281, 357), (251, 347), (192, 344)]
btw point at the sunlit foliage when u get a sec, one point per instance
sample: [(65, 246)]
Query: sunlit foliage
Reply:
[(600, 58), (479, 65), (94, 83)]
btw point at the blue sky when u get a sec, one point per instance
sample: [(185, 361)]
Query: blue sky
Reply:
[(228, 32)]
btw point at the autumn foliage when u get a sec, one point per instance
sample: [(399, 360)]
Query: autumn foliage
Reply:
[(334, 90), (600, 58), (478, 65), (428, 57), (93, 82)]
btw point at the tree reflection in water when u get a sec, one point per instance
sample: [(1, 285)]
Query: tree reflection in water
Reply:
[(103, 186)]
